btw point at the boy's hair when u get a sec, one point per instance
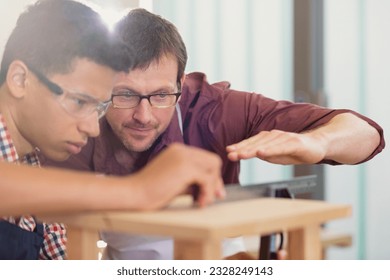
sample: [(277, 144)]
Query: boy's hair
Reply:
[(51, 34), (150, 37)]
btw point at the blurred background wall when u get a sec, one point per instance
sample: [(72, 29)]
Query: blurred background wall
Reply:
[(334, 53)]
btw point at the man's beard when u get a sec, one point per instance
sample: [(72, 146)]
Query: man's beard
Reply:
[(132, 148)]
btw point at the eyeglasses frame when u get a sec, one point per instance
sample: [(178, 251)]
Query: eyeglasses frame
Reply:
[(148, 96), (101, 107)]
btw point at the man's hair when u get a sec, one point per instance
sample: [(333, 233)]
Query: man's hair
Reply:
[(150, 37), (51, 34)]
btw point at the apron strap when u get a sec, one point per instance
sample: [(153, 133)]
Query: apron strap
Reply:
[(19, 244)]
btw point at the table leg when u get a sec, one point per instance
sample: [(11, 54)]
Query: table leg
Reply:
[(81, 244), (305, 243), (198, 249)]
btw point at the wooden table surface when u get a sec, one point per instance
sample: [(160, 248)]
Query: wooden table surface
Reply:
[(198, 232)]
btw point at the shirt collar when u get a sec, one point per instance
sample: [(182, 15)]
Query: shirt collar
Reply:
[(7, 148)]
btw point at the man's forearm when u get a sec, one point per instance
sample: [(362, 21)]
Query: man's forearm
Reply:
[(348, 138)]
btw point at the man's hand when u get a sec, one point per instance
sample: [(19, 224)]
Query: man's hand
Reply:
[(346, 139), (280, 147)]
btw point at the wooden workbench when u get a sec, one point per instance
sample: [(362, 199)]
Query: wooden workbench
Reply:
[(198, 233)]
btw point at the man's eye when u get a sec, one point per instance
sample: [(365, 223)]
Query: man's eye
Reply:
[(162, 95)]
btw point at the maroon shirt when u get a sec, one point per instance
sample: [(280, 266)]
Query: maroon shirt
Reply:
[(213, 117)]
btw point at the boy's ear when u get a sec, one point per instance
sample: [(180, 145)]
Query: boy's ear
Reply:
[(17, 78)]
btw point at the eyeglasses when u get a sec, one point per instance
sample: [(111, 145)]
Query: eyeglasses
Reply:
[(128, 100), (78, 105)]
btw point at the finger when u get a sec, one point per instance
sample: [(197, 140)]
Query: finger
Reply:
[(283, 160), (242, 150), (241, 144), (210, 187), (206, 195), (278, 143), (291, 144), (288, 151), (251, 146), (220, 189)]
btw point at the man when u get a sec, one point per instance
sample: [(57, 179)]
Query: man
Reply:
[(145, 118), (56, 80)]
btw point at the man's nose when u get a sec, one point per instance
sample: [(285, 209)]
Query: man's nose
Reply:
[(142, 112)]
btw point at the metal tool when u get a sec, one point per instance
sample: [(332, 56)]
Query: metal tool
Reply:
[(286, 188)]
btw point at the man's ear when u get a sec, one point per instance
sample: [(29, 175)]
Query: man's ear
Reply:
[(182, 83), (182, 79), (17, 78)]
